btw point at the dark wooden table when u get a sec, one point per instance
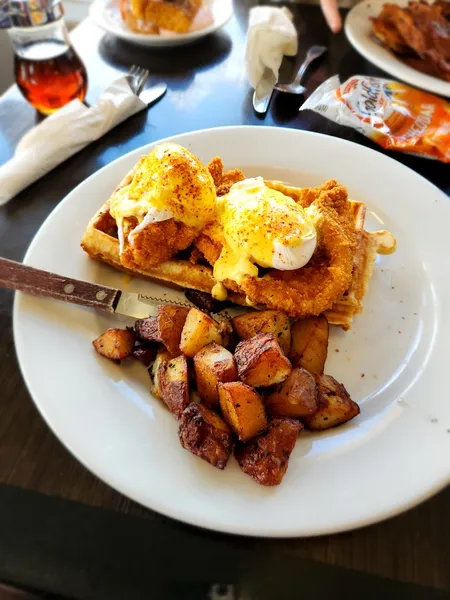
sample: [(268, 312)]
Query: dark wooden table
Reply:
[(207, 88)]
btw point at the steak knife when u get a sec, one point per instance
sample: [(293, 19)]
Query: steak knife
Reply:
[(16, 276)]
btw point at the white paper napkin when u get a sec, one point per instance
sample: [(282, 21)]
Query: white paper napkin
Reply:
[(271, 35), (63, 134)]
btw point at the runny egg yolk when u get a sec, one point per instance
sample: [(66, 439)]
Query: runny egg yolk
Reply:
[(169, 182), (261, 227)]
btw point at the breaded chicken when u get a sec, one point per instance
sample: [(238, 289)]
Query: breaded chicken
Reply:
[(316, 286), (223, 181), (156, 243)]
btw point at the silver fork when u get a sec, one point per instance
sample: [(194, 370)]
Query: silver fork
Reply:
[(295, 87), (137, 77)]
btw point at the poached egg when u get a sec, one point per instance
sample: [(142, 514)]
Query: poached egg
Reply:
[(261, 227), (168, 183)]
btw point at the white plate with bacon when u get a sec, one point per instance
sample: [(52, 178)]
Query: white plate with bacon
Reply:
[(392, 361), (360, 33), (185, 21)]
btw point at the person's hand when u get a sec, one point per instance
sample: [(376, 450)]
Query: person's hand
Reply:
[(331, 13)]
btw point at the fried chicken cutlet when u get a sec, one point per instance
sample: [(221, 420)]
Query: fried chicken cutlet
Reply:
[(315, 287)]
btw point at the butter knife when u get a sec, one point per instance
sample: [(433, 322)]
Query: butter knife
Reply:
[(16, 276), (261, 103), (150, 95)]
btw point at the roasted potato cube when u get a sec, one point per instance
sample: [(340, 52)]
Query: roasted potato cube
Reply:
[(214, 364), (276, 322), (199, 330), (171, 320), (266, 457), (165, 328), (243, 409), (205, 434), (261, 362), (173, 380), (296, 397), (145, 354), (335, 405), (147, 330), (161, 356), (115, 344), (310, 344)]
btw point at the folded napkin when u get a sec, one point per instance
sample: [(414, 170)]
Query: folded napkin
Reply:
[(63, 134), (271, 35)]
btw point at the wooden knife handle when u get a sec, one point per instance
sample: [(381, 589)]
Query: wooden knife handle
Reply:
[(17, 276)]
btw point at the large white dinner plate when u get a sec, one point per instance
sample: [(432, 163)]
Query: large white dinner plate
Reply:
[(394, 361), (358, 28), (106, 14)]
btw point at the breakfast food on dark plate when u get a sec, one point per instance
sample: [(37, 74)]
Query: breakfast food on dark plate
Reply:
[(419, 34), (252, 242), (252, 398)]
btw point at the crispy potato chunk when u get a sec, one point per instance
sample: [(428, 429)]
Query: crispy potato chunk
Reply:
[(155, 387), (205, 434), (276, 322), (214, 364), (266, 457), (243, 409), (173, 380), (165, 328), (310, 344), (115, 344), (199, 330), (147, 330), (261, 362), (335, 405), (296, 397), (145, 354), (171, 320)]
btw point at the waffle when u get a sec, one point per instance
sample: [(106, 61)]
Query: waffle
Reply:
[(100, 241), (350, 304)]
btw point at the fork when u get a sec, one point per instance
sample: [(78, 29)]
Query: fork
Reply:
[(137, 77), (295, 87)]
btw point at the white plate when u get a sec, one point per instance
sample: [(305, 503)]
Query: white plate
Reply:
[(106, 13), (394, 362), (358, 28)]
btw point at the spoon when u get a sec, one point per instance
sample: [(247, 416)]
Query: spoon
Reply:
[(295, 87)]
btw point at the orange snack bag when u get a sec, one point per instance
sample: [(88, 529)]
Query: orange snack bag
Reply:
[(394, 115)]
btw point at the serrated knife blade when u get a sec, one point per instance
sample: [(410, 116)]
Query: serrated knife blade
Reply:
[(140, 306), (16, 276)]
